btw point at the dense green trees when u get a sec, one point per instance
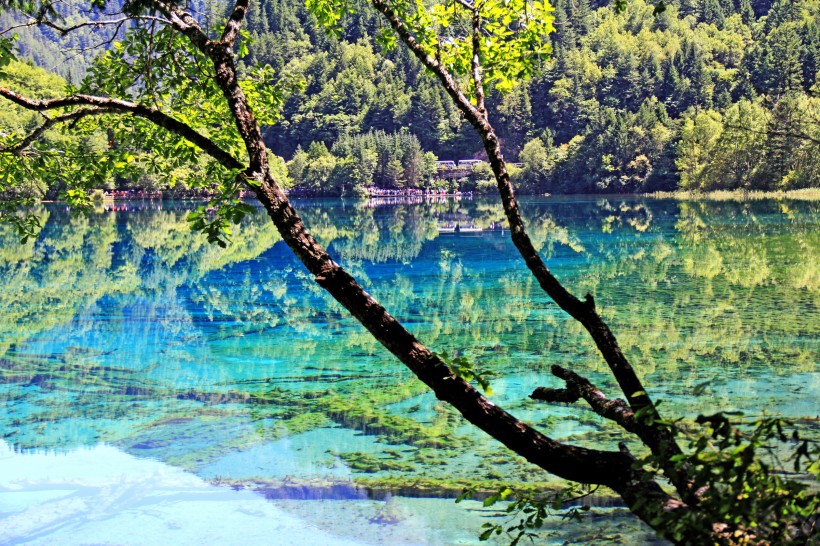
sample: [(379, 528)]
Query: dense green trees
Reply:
[(358, 162), (612, 106), (636, 83), (751, 147), (611, 109)]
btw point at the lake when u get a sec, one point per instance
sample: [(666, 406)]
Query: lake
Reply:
[(160, 390)]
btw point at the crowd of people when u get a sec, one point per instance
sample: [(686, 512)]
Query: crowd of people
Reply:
[(117, 195), (132, 194), (408, 192), (138, 206), (140, 200), (381, 201)]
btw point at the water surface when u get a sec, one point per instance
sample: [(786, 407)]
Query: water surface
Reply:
[(126, 333)]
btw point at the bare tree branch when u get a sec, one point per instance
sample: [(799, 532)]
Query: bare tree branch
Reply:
[(125, 107), (579, 387), (20, 147), (450, 85), (234, 24), (98, 45), (63, 30), (476, 63), (658, 436), (187, 25)]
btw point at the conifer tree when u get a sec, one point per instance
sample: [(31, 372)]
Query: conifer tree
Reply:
[(746, 11), (690, 7), (711, 12), (783, 67)]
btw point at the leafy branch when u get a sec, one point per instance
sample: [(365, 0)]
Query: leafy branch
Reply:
[(527, 512), (463, 368), (736, 468)]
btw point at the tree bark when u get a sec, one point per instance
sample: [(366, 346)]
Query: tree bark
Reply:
[(658, 437)]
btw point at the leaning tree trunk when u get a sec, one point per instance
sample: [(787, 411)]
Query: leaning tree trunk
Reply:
[(614, 469), (611, 468)]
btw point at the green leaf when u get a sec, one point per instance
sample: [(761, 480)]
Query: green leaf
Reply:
[(491, 500), (7, 50), (386, 38)]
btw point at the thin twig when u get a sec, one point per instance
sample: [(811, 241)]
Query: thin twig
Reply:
[(25, 142)]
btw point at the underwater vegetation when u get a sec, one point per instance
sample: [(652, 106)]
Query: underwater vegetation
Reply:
[(233, 364)]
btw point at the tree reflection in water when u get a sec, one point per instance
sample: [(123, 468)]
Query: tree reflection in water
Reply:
[(125, 327)]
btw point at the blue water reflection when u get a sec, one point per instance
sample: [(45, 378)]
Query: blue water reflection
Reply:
[(124, 328)]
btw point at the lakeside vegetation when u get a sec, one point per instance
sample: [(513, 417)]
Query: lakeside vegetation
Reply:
[(806, 194), (707, 96)]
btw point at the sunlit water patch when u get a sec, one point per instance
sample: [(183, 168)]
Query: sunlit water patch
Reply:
[(233, 365)]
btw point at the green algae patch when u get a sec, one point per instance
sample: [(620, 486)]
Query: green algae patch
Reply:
[(67, 372), (304, 422), (358, 414), (368, 463), (384, 486)]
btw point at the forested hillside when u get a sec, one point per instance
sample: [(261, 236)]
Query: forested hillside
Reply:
[(708, 94)]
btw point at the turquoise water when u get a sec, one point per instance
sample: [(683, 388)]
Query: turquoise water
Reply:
[(123, 331)]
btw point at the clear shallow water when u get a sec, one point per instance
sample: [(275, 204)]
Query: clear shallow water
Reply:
[(101, 495), (126, 330)]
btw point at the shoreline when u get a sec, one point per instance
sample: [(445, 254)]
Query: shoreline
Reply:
[(381, 197), (806, 194)]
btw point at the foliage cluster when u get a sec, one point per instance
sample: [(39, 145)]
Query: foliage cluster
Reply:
[(740, 470), (140, 72), (16, 121), (357, 162), (738, 467)]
